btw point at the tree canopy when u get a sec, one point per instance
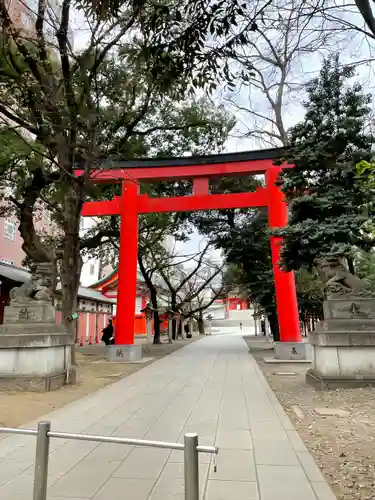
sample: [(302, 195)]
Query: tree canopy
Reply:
[(323, 191)]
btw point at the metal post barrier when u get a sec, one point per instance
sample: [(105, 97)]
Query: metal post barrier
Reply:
[(41, 461), (191, 467), (44, 434)]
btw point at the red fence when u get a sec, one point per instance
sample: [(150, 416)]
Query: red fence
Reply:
[(89, 326)]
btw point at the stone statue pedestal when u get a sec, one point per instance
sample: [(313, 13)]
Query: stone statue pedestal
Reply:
[(35, 352), (343, 344)]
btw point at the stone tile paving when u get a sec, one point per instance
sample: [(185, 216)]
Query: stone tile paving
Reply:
[(213, 387)]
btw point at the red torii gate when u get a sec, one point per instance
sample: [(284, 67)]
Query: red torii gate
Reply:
[(200, 169)]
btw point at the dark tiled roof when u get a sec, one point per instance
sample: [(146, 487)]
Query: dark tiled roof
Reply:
[(89, 293), (13, 273), (111, 275), (259, 154), (104, 279)]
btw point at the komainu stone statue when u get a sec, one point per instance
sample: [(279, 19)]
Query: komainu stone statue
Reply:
[(35, 351), (338, 281), (38, 288), (343, 343)]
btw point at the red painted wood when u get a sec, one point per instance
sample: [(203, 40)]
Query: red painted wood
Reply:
[(203, 202), (127, 270), (140, 325), (100, 325), (285, 287), (101, 208), (81, 331), (201, 185), (182, 203), (92, 325)]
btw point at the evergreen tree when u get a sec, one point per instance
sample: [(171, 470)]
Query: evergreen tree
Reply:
[(365, 267), (323, 191)]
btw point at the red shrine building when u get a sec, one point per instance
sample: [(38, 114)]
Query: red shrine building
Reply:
[(108, 285)]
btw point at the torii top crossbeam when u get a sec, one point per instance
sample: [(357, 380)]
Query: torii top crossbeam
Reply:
[(189, 167), (200, 169)]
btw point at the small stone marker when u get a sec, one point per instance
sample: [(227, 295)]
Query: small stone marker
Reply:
[(23, 313), (298, 412), (119, 353), (332, 412)]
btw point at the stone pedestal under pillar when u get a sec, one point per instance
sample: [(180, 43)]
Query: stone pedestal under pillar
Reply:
[(343, 345), (292, 351), (124, 353)]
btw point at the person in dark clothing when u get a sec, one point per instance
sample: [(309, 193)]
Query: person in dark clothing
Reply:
[(187, 331), (108, 331), (263, 326)]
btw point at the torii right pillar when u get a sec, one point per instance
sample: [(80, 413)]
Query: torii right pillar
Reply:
[(291, 345)]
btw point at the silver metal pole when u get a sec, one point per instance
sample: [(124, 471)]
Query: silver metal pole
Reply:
[(22, 432), (41, 461), (191, 467)]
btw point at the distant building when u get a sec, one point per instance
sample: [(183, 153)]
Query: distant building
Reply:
[(23, 15), (10, 239)]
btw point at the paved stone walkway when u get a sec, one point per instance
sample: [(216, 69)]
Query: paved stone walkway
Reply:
[(212, 387)]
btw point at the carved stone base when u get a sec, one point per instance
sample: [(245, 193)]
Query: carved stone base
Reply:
[(30, 312), (343, 345), (18, 383), (35, 353), (349, 308), (124, 353), (322, 382), (297, 351)]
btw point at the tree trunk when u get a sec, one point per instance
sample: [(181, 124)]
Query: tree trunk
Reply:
[(273, 322), (179, 329), (200, 325), (70, 267), (154, 303), (32, 243), (174, 309), (153, 296)]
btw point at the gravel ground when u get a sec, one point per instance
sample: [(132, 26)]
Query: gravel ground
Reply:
[(337, 426)]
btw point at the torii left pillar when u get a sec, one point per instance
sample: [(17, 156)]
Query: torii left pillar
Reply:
[(124, 348), (291, 345)]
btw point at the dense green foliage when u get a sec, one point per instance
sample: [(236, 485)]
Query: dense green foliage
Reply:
[(364, 263), (324, 193)]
